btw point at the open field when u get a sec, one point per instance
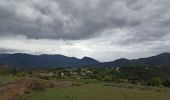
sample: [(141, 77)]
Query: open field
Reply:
[(90, 89), (86, 84), (96, 92), (6, 78), (82, 81)]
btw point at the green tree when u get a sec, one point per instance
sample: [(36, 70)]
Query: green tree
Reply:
[(166, 83), (13, 71), (107, 78), (4, 71), (155, 81)]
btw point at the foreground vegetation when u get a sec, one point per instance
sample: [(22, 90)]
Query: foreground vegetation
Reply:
[(139, 75), (89, 83), (6, 78), (97, 92)]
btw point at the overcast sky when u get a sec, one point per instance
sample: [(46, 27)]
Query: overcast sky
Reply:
[(103, 29)]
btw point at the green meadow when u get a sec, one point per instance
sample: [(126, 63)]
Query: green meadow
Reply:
[(96, 92), (6, 78)]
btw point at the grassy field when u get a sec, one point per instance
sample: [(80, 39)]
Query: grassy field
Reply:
[(82, 81), (96, 92), (6, 78)]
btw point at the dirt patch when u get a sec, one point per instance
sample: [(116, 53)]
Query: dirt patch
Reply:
[(17, 88)]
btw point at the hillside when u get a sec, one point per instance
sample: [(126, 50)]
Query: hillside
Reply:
[(44, 61), (158, 60), (27, 60)]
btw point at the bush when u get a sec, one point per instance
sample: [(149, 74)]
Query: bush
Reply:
[(107, 78), (166, 83), (50, 85), (76, 84), (155, 81), (44, 77), (135, 82), (122, 80), (3, 71), (86, 82), (40, 86)]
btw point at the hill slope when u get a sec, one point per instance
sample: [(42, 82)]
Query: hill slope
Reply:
[(44, 60), (161, 59)]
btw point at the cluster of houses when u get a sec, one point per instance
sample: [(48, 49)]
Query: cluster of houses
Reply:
[(77, 73)]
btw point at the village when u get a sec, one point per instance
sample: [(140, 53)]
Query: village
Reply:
[(76, 73), (73, 73)]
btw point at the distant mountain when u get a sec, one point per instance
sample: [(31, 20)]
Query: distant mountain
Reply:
[(44, 61), (119, 62), (27, 60), (89, 61), (161, 59)]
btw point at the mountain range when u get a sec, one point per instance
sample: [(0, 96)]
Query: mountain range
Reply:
[(27, 60), (44, 61), (158, 60)]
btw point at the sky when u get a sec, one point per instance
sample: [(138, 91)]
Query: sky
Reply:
[(103, 29)]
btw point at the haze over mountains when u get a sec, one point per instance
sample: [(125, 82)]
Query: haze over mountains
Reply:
[(43, 61)]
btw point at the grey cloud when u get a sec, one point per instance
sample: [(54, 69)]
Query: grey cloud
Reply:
[(75, 19), (69, 21), (5, 50)]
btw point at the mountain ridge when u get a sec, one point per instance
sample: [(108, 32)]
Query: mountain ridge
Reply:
[(45, 60), (57, 60), (160, 59)]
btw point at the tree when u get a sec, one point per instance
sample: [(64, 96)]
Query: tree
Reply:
[(166, 83), (155, 81), (107, 78), (13, 71), (4, 71)]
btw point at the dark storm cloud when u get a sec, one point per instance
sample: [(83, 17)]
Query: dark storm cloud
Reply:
[(74, 19)]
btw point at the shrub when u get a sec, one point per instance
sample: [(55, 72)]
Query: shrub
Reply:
[(107, 78), (122, 80), (40, 86), (76, 84), (44, 77), (3, 71), (135, 82), (50, 85), (166, 83), (86, 82), (155, 81)]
